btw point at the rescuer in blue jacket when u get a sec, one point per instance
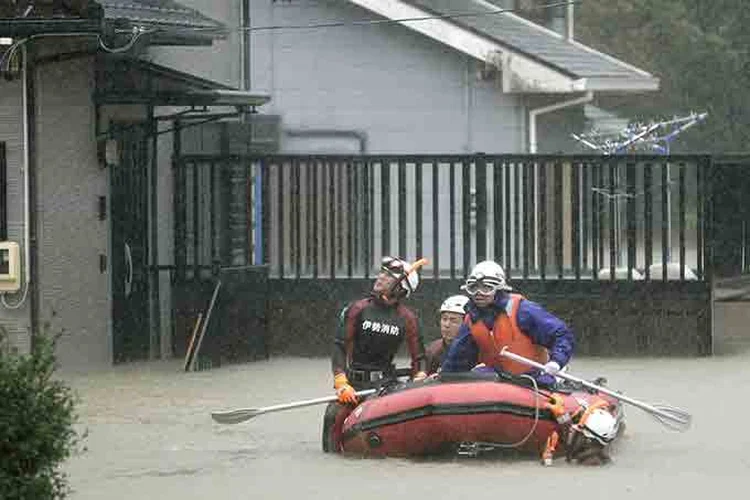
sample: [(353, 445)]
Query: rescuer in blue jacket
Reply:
[(497, 319)]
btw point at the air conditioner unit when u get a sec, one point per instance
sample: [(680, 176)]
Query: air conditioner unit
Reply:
[(259, 134), (10, 267)]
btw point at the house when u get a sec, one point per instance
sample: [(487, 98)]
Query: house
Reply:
[(426, 77), (460, 77), (88, 99), (99, 99)]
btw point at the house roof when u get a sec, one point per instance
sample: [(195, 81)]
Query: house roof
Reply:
[(544, 60), (160, 13), (165, 21)]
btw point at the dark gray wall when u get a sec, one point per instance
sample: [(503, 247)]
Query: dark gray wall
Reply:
[(621, 319)]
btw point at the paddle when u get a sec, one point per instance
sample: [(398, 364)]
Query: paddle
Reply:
[(669, 416), (243, 414)]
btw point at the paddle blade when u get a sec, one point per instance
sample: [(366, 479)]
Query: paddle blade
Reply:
[(673, 418), (416, 266), (234, 416)]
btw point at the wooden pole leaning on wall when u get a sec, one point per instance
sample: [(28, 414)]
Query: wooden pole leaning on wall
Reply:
[(204, 326), (191, 344)]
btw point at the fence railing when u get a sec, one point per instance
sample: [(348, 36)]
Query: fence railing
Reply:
[(542, 217)]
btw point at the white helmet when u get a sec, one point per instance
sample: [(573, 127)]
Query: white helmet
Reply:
[(397, 268), (489, 274), (601, 426), (454, 304)]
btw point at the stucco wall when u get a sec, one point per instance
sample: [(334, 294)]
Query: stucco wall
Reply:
[(74, 293), (407, 92)]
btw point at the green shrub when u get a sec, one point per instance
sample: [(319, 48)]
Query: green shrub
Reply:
[(37, 419)]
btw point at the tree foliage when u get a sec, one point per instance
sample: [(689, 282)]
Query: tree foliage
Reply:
[(37, 423), (700, 51)]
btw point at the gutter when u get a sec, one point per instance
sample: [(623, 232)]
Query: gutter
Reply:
[(22, 28), (158, 34), (534, 113)]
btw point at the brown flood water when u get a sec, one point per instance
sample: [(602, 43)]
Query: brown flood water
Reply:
[(151, 436)]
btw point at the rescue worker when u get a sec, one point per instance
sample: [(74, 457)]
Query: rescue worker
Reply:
[(452, 314), (586, 434), (370, 332), (497, 318)]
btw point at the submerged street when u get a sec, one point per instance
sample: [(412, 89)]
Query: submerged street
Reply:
[(151, 436)]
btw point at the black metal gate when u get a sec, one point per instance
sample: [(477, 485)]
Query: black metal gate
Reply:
[(129, 252), (214, 243), (624, 248), (730, 183)]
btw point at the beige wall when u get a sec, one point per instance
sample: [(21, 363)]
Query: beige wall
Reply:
[(730, 329)]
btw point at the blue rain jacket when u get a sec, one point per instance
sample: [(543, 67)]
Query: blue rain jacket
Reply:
[(542, 327)]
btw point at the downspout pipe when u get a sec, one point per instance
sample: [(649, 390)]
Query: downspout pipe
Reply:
[(534, 113), (570, 21)]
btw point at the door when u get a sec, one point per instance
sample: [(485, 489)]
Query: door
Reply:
[(129, 253)]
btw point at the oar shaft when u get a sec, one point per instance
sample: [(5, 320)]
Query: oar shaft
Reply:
[(604, 390), (308, 402)]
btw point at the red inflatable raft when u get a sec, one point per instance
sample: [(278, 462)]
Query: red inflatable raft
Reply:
[(433, 418)]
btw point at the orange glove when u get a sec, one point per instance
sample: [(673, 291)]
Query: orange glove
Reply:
[(557, 407), (345, 392)]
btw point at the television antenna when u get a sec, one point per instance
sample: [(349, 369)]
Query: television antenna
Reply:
[(644, 137)]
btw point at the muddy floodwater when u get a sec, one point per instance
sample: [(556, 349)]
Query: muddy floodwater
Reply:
[(151, 436)]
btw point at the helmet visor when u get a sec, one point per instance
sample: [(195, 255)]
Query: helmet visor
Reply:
[(392, 266), (483, 287)]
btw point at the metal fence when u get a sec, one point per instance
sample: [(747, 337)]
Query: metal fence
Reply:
[(542, 217)]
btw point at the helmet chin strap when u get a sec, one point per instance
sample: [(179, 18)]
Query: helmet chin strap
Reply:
[(390, 296)]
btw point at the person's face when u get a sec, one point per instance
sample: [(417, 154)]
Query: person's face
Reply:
[(450, 322), (484, 299), (383, 283)]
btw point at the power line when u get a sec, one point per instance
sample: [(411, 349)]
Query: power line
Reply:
[(456, 15), (139, 31), (135, 33)]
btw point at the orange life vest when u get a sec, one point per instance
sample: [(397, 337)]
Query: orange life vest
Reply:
[(506, 333)]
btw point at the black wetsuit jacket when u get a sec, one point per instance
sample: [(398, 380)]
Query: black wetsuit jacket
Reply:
[(370, 333)]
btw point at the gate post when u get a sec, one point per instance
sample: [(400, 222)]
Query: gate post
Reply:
[(480, 189)]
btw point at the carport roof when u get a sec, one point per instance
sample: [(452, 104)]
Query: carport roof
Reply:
[(134, 81)]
